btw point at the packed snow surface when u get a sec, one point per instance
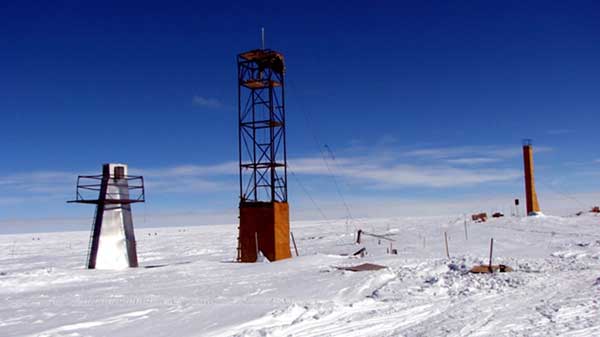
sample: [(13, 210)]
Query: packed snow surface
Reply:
[(188, 285)]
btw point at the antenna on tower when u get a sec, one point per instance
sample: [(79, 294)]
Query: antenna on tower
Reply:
[(262, 34)]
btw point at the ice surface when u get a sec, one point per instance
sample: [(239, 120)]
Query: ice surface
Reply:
[(191, 287)]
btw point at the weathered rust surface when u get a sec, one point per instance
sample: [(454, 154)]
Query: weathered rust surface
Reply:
[(267, 222), (485, 268), (260, 54), (260, 84), (265, 58), (479, 217), (531, 201)]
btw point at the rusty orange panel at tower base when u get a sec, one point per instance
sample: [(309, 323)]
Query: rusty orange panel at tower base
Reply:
[(270, 223)]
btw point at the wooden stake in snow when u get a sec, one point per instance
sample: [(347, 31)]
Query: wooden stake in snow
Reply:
[(491, 250), (361, 252), (446, 240), (294, 241), (466, 231), (256, 242), (490, 268)]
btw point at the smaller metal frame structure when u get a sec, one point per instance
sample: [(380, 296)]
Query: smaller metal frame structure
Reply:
[(112, 191)]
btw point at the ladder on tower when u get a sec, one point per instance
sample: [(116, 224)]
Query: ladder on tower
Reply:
[(89, 252)]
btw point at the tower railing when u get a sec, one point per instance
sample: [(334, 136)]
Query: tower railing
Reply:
[(89, 187)]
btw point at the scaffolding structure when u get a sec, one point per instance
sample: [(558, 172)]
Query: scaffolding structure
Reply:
[(262, 138), (264, 211)]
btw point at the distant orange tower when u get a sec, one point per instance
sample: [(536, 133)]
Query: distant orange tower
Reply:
[(533, 207), (264, 212)]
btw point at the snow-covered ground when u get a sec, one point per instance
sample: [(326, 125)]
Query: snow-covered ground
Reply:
[(188, 285)]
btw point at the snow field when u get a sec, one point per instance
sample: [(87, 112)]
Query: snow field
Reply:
[(188, 285)]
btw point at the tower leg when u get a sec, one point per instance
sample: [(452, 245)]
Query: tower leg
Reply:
[(95, 239)]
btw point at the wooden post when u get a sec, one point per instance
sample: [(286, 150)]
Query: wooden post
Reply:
[(358, 236), (256, 241), (466, 231), (446, 240), (294, 241), (491, 250)]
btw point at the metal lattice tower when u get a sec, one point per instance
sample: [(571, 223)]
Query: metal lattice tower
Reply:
[(262, 141)]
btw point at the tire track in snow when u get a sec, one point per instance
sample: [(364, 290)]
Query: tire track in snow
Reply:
[(361, 319), (70, 329), (352, 313)]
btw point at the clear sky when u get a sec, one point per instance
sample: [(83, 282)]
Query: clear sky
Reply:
[(423, 105)]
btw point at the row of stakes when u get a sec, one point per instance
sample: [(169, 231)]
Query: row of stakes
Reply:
[(489, 268)]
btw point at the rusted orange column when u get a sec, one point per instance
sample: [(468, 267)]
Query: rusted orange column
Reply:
[(266, 226), (531, 202)]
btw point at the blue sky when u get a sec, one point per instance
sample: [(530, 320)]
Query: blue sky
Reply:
[(421, 103)]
